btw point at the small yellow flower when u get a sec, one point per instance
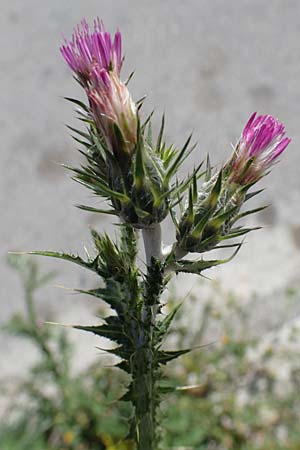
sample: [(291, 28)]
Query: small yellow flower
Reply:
[(68, 437), (225, 339), (108, 442)]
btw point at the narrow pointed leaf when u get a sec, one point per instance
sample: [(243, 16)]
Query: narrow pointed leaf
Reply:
[(221, 218), (174, 167), (253, 194), (113, 333), (250, 211), (214, 195), (78, 103), (238, 232), (105, 296), (198, 266), (164, 357), (164, 325), (160, 134), (139, 173), (96, 210), (195, 187), (79, 132), (129, 78), (208, 169), (68, 257)]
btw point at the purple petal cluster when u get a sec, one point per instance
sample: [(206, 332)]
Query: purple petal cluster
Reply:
[(264, 136), (89, 52), (96, 59), (261, 142)]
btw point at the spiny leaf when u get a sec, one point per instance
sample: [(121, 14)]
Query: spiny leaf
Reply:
[(178, 161), (197, 231), (140, 101), (197, 267), (143, 127), (236, 232), (229, 245), (124, 365), (208, 169), (164, 325), (166, 389), (92, 181), (211, 203), (80, 133), (214, 195), (244, 189), (78, 103), (253, 194), (139, 172), (190, 211), (179, 187), (195, 188), (92, 265), (129, 78), (178, 201), (112, 332), (104, 244), (163, 357), (160, 134), (219, 219), (106, 296), (167, 155), (183, 185), (81, 142), (96, 210), (250, 211)]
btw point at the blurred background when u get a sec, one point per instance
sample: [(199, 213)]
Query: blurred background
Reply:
[(208, 65)]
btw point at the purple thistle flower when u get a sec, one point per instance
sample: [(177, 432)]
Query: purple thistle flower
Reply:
[(260, 144), (89, 50), (96, 58)]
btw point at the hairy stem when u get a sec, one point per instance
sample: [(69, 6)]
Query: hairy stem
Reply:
[(144, 383)]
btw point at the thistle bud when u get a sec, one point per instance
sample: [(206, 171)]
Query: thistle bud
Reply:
[(199, 226), (210, 219), (124, 164), (261, 143), (96, 60)]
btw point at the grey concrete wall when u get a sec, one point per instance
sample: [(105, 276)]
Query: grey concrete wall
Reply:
[(208, 64)]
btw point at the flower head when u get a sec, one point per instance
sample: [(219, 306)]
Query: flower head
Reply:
[(91, 51), (96, 59), (260, 144)]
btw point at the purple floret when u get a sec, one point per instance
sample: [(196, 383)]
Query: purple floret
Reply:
[(263, 136), (89, 50), (261, 142)]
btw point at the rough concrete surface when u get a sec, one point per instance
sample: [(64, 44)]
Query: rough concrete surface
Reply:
[(209, 65)]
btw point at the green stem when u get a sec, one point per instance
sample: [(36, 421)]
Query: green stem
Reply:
[(144, 365), (144, 399)]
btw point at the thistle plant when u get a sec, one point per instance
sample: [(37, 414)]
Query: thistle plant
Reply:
[(137, 176)]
